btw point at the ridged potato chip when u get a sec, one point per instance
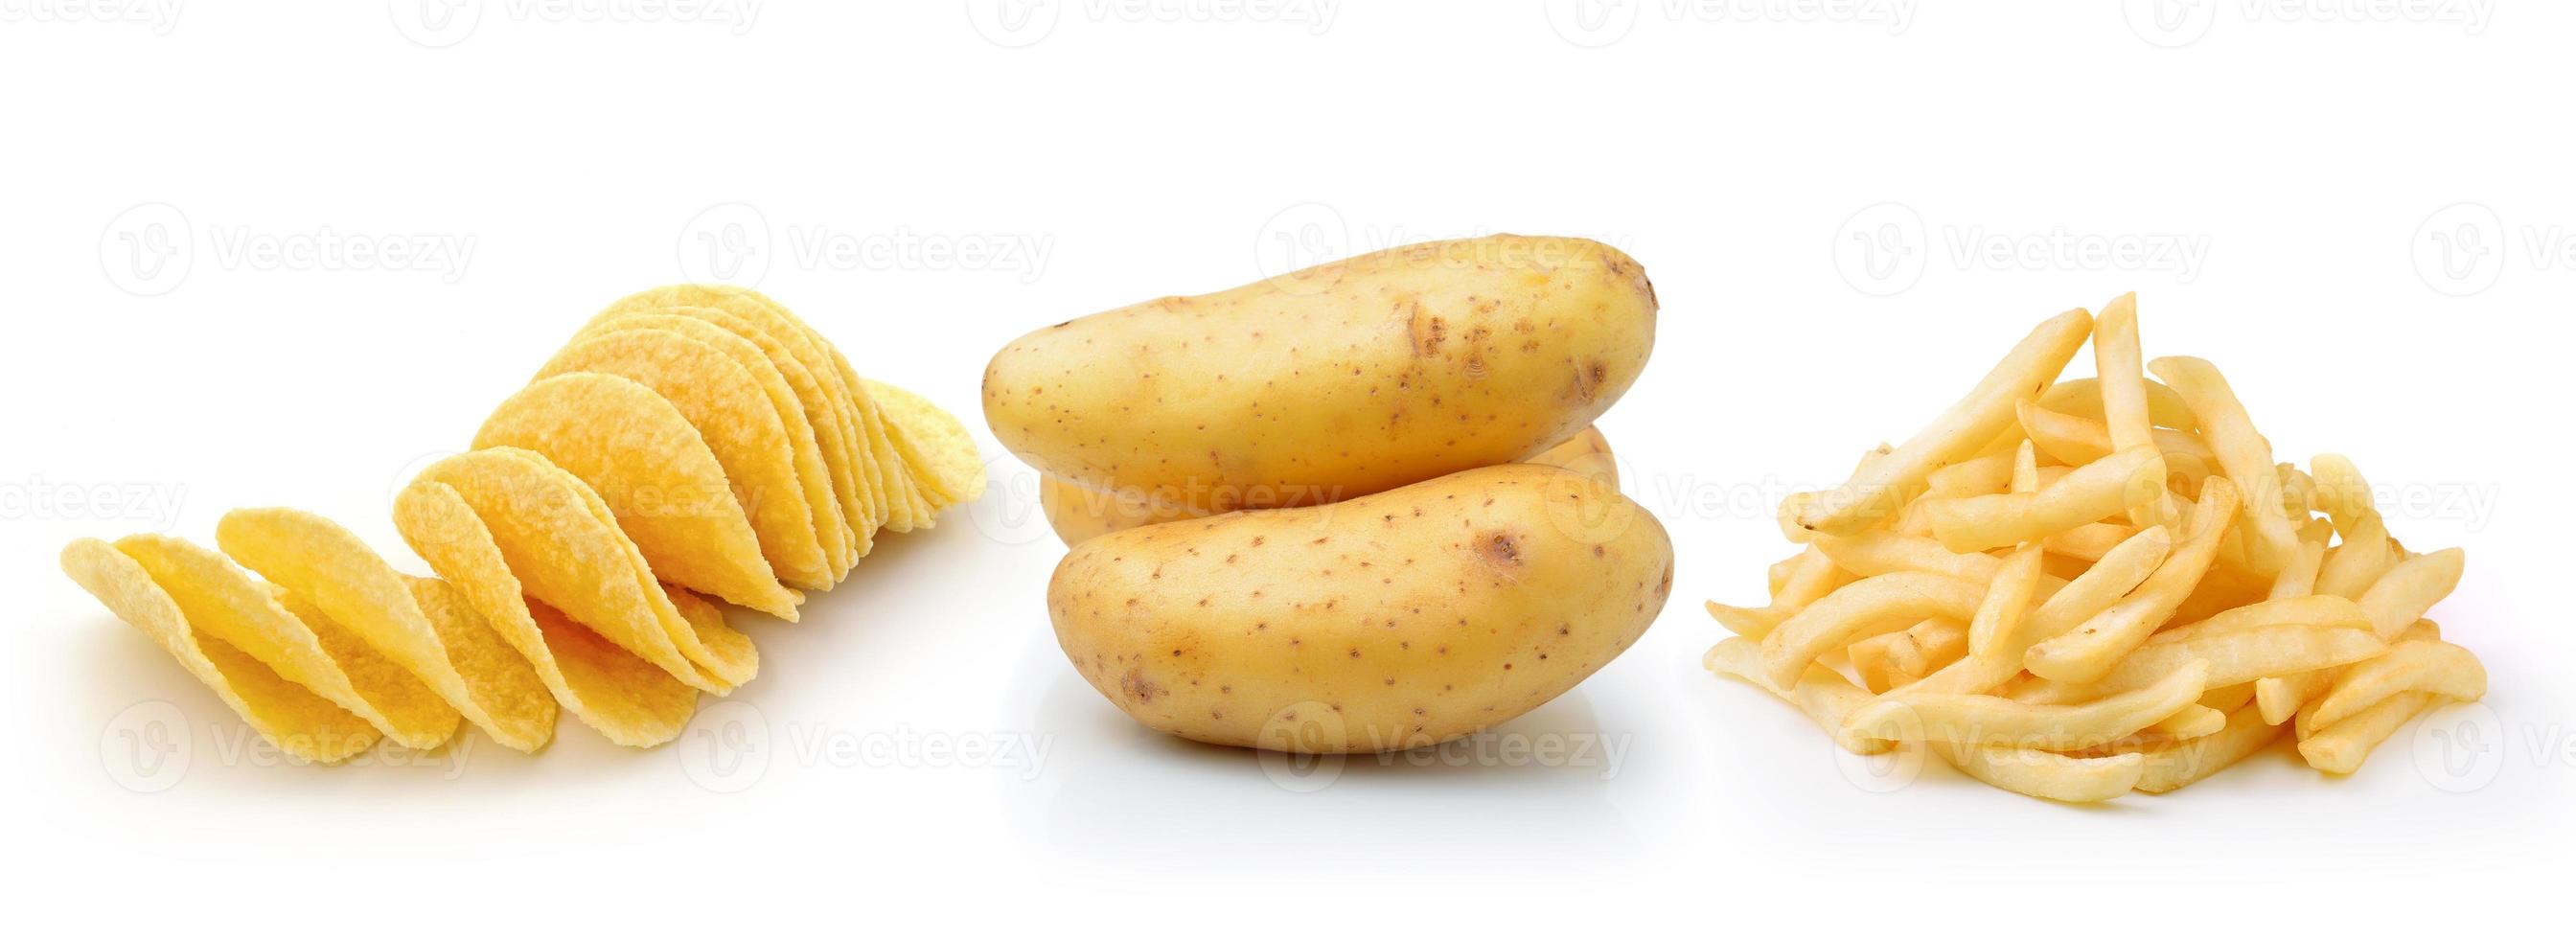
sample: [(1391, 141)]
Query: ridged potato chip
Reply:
[(631, 701), (565, 548), (656, 475), (220, 598), (298, 722), (843, 536), (454, 651), (739, 426)]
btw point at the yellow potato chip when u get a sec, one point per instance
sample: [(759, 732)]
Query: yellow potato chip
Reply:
[(853, 471), (316, 561), (631, 701), (221, 599), (665, 488), (566, 551), (939, 445), (736, 421), (298, 722), (832, 524)]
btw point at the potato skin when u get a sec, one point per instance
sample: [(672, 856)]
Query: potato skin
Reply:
[(1079, 514), (1333, 382), (1387, 622)]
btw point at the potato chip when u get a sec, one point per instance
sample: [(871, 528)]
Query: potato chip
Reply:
[(833, 526), (818, 383), (655, 473), (947, 456), (458, 656), (627, 699), (332, 660), (298, 722), (739, 427), (566, 550)]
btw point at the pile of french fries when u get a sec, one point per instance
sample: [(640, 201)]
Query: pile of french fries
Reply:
[(2074, 590)]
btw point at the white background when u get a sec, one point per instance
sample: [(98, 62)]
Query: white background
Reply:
[(2362, 210)]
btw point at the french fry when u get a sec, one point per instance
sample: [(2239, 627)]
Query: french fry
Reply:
[(2087, 494), (2436, 667), (1825, 697), (1986, 411), (1867, 607), (2082, 397), (1986, 720), (2242, 451), (2240, 646), (2044, 775), (2089, 651), (2172, 765), (2096, 590), (2340, 749)]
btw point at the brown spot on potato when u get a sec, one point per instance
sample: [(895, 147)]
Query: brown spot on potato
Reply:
[(1135, 685)]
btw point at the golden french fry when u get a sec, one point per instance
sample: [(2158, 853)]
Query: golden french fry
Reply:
[(2243, 452), (2088, 494), (1871, 553), (2340, 749), (2365, 556), (1867, 607), (1929, 646), (2045, 775), (2082, 397), (2089, 651), (2436, 667), (2408, 590), (2076, 441), (1986, 411), (1976, 476), (2172, 765), (2086, 596), (1987, 720), (2123, 382), (2242, 645), (2087, 542), (1811, 577), (1825, 696)]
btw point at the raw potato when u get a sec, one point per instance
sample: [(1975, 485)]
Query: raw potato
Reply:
[(1334, 382), (1387, 622), (1079, 514)]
